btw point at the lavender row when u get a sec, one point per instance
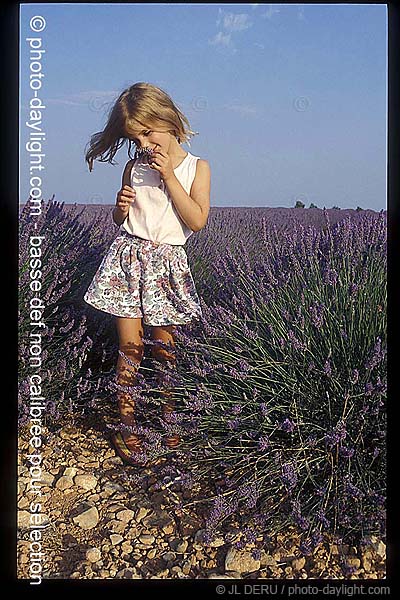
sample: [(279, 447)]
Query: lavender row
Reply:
[(281, 386)]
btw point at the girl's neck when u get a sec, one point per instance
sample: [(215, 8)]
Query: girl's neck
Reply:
[(176, 153)]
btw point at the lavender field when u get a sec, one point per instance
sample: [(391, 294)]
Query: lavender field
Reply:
[(281, 386)]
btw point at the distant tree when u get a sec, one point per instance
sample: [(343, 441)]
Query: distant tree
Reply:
[(299, 204), (313, 205), (359, 208), (336, 207)]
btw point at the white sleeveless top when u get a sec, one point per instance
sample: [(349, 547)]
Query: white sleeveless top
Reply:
[(152, 215)]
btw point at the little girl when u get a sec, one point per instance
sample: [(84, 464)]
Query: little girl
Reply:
[(145, 279)]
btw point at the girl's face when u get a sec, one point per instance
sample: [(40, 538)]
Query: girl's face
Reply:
[(150, 138)]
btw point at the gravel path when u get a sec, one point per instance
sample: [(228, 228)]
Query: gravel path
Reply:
[(99, 524)]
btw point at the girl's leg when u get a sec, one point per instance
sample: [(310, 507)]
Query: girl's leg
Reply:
[(165, 333), (130, 334)]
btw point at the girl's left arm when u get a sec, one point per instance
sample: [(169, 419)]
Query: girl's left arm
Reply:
[(192, 209)]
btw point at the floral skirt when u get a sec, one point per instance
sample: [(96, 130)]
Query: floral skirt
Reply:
[(141, 278)]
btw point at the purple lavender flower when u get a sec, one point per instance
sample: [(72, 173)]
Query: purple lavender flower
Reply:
[(376, 357), (311, 367), (260, 519), (250, 535), (264, 443), (256, 553), (321, 490), (353, 289), (296, 343), (328, 368), (336, 435), (288, 425), (317, 314), (353, 491), (244, 367), (321, 516), (346, 451), (376, 452), (330, 276), (306, 547), (289, 475), (311, 440), (369, 388), (233, 424)]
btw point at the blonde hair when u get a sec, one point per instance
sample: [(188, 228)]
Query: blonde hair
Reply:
[(140, 106)]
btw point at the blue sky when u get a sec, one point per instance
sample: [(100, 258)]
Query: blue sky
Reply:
[(289, 99)]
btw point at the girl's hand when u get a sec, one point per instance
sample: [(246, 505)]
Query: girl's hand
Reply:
[(124, 198), (161, 162)]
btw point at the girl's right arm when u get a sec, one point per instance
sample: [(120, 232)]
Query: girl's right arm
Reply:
[(125, 196)]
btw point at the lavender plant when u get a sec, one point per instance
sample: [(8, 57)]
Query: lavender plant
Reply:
[(283, 383), (280, 387), (71, 344)]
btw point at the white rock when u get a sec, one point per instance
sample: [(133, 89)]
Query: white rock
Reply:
[(93, 555), (267, 560), (87, 482), (126, 547), (125, 515), (147, 539), (186, 567), (64, 483), (110, 486), (376, 544), (24, 519), (116, 526), (21, 486), (168, 529), (112, 461), (70, 472), (47, 478), (141, 513), (217, 543), (23, 503), (116, 539), (380, 549), (298, 563), (198, 536), (241, 561), (87, 518)]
